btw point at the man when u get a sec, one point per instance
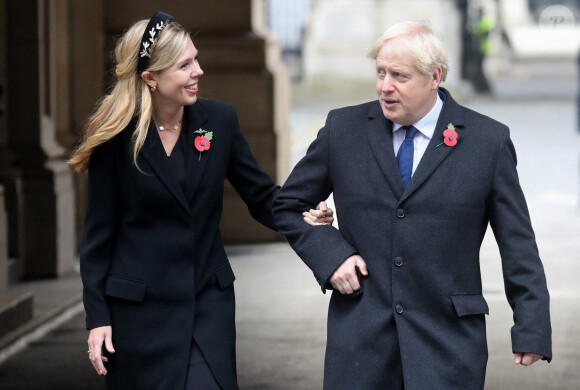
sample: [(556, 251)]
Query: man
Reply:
[(414, 316)]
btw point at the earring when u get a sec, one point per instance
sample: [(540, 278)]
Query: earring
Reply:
[(153, 89)]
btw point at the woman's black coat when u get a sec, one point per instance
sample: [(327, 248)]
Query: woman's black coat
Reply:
[(152, 260)]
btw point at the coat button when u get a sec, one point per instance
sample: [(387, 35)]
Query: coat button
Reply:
[(400, 213), (399, 261), (399, 309)]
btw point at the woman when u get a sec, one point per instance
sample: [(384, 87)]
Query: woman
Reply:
[(158, 287)]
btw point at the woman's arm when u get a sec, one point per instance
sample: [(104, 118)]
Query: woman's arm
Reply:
[(256, 188), (96, 250)]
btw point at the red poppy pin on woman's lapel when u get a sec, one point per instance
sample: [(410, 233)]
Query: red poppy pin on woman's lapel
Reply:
[(450, 136), (202, 141)]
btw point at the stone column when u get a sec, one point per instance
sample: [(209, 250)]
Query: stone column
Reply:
[(4, 157), (87, 73), (3, 218), (46, 197), (3, 243), (6, 179), (242, 68)]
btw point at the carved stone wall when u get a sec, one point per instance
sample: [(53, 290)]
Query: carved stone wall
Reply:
[(35, 171), (55, 64)]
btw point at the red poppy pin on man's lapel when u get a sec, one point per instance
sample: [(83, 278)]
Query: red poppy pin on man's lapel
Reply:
[(450, 136)]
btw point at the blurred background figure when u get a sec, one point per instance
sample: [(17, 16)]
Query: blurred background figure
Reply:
[(480, 47)]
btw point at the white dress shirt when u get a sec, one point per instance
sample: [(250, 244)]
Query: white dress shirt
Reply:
[(426, 127)]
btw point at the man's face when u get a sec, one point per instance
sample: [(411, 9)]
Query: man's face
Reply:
[(406, 95)]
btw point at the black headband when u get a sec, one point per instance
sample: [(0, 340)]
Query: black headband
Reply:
[(156, 24)]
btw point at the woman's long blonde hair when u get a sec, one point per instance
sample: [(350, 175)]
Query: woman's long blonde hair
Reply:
[(130, 95)]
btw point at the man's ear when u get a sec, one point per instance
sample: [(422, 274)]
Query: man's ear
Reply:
[(436, 78), (149, 79)]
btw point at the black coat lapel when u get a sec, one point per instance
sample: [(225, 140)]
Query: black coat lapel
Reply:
[(434, 155), (380, 136), (194, 119), (155, 155)]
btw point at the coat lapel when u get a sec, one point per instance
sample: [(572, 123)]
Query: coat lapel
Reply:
[(380, 136), (155, 155), (434, 156), (195, 119)]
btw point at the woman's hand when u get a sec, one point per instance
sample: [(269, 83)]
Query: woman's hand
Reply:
[(321, 216), (97, 337)]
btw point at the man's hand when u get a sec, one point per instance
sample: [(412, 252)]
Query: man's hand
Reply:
[(97, 337), (526, 359), (345, 278), (321, 216)]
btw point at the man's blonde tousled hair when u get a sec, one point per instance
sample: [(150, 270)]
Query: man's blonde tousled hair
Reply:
[(426, 49)]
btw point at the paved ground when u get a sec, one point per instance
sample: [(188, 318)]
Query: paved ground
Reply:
[(281, 312)]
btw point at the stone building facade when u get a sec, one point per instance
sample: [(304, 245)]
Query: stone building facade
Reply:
[(55, 63)]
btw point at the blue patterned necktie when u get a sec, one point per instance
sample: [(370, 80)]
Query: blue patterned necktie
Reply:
[(405, 155)]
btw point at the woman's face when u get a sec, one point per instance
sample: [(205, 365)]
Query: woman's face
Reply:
[(178, 84)]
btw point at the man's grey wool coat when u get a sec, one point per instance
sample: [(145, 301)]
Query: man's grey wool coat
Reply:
[(420, 317)]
